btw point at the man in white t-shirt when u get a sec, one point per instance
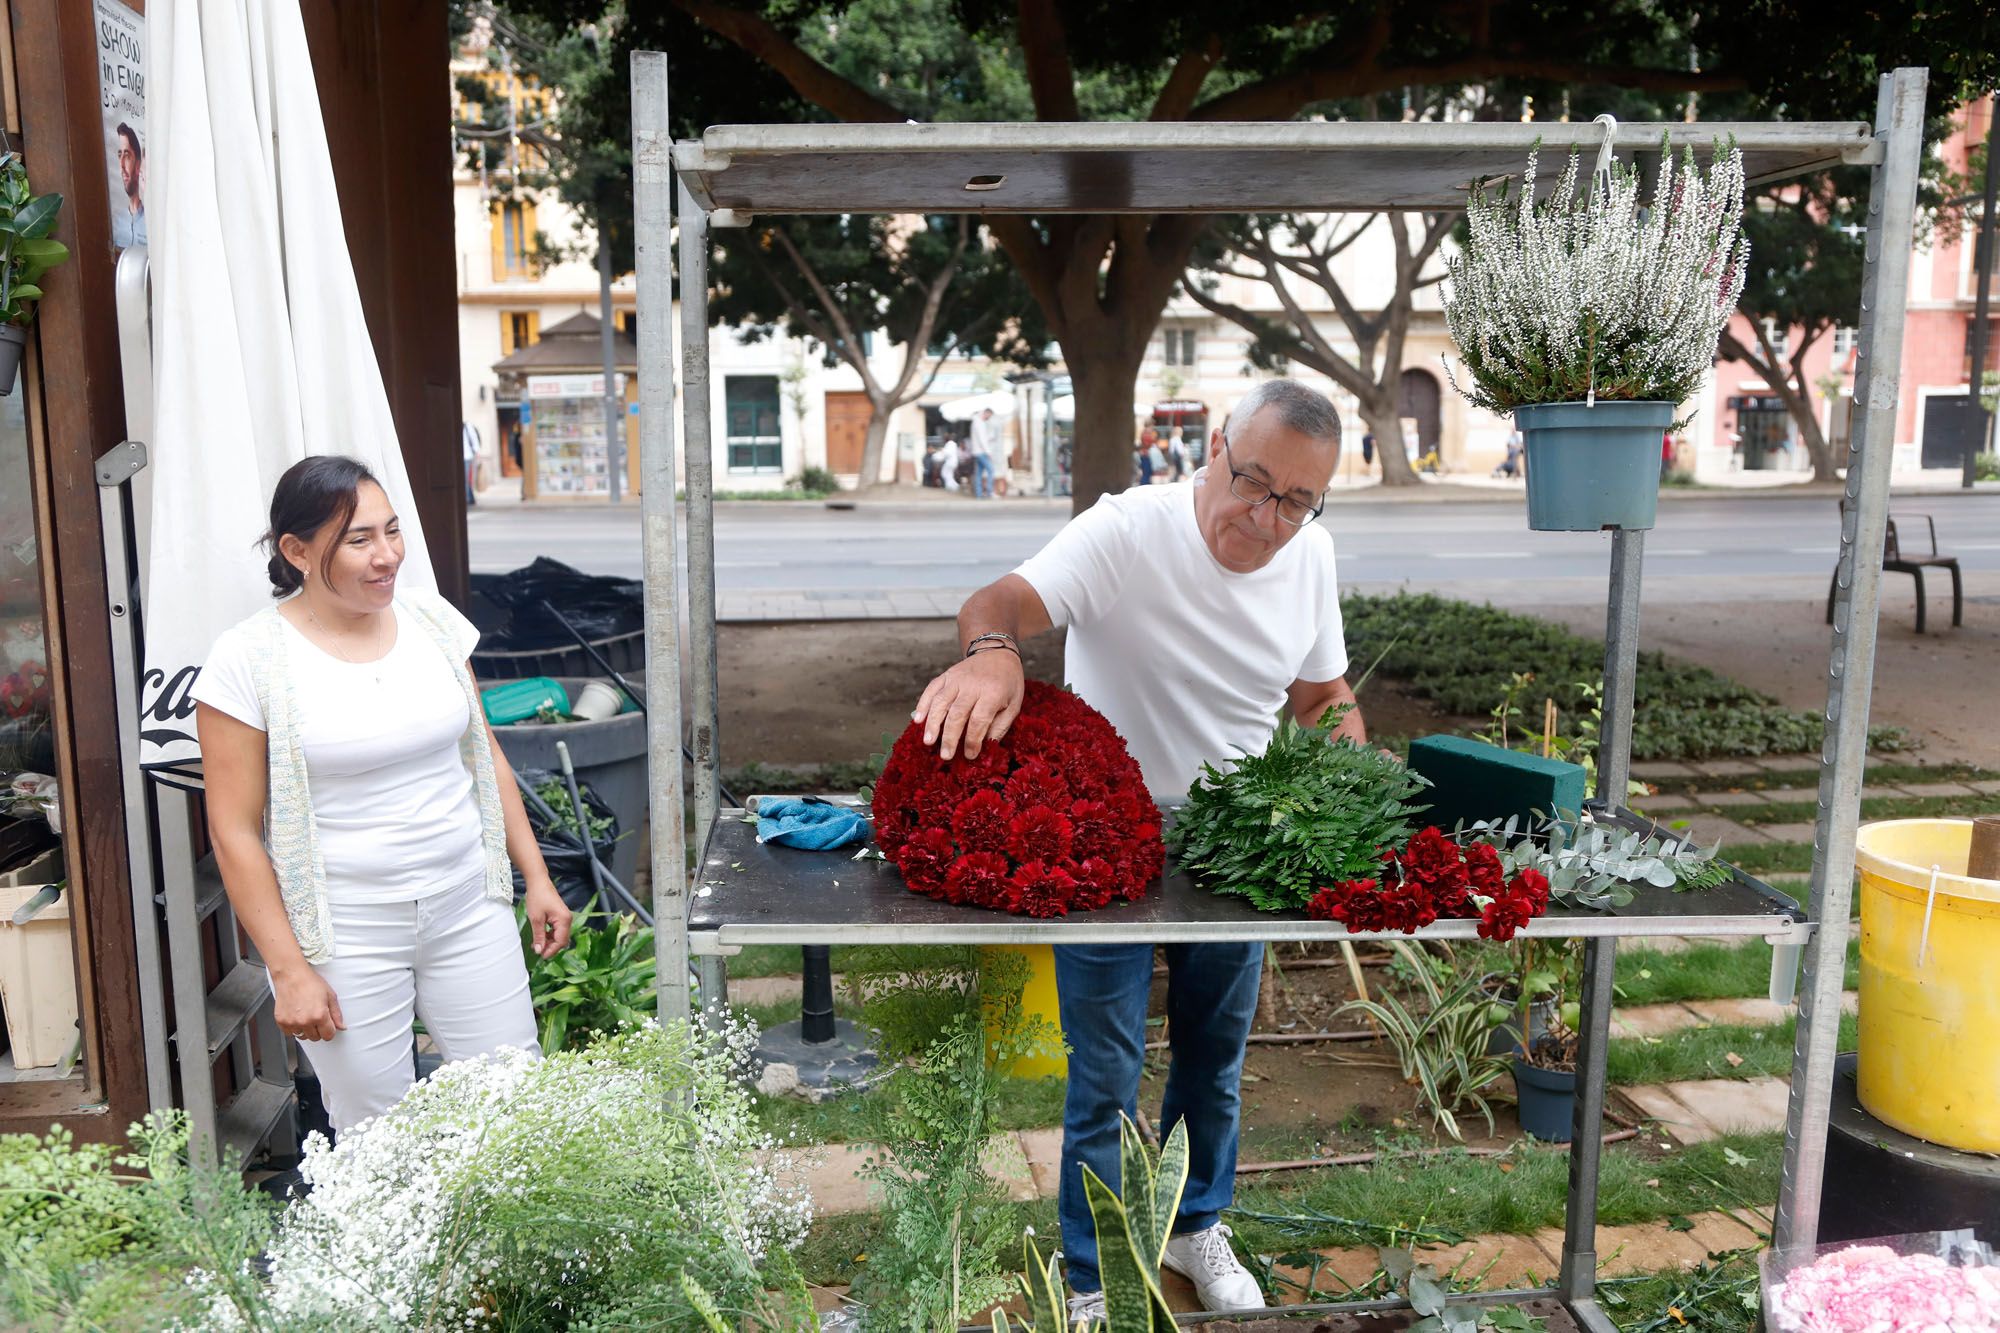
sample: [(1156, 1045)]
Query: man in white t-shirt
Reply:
[(1195, 612)]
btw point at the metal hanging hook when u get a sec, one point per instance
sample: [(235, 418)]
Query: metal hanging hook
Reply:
[(1602, 171)]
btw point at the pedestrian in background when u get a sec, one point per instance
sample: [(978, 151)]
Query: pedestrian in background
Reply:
[(1177, 455), (985, 453), (468, 436), (1145, 452)]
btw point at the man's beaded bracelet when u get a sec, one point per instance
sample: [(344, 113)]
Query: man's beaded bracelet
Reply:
[(992, 636), (975, 648)]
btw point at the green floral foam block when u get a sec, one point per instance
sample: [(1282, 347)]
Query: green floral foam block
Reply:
[(1474, 780)]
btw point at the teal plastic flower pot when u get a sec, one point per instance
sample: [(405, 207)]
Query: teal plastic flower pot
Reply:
[(1592, 467), (1548, 1101)]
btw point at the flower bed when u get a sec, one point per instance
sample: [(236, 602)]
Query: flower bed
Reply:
[(1050, 820)]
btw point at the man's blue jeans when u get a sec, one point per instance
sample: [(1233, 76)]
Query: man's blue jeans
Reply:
[(1211, 999), (982, 476)]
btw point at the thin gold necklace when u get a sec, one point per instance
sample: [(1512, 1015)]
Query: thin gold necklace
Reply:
[(338, 651)]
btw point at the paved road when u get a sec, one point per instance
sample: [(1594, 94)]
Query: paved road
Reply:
[(782, 560)]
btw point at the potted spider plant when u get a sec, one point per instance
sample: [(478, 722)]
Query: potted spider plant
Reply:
[(1590, 316), (26, 252), (1545, 1065)]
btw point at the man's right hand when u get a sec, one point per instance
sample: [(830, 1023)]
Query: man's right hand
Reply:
[(306, 1006), (974, 701)]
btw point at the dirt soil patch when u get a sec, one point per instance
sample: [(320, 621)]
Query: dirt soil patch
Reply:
[(817, 692)]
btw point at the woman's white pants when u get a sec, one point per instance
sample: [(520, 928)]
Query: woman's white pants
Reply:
[(452, 959)]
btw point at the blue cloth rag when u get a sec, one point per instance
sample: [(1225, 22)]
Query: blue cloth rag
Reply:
[(814, 826)]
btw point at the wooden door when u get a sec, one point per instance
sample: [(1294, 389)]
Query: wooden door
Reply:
[(846, 432)]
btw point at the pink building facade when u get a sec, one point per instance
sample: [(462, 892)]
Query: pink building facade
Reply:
[(1746, 426)]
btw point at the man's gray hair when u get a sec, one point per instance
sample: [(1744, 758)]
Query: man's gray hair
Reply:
[(1307, 411)]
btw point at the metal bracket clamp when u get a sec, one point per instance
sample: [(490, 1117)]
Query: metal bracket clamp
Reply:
[(730, 217), (120, 463)]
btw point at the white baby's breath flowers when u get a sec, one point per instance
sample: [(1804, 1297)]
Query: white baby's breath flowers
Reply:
[(564, 1184), (1588, 295)]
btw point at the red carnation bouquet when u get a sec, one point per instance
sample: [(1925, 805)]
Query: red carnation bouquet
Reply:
[(1433, 877), (1053, 819)]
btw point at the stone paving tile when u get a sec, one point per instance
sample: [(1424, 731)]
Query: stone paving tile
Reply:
[(832, 1178), (1653, 770), (1650, 1020), (1874, 790), (1938, 789), (1985, 788), (1351, 1267), (1731, 798), (1044, 1151), (1788, 833), (1736, 1105), (1007, 1162), (1654, 805), (764, 990), (1754, 1011), (1659, 1103), (1729, 768), (1645, 1247), (1789, 795), (1496, 1263), (1720, 1232), (1708, 829)]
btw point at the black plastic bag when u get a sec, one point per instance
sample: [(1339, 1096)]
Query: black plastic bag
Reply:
[(508, 607), (567, 864)]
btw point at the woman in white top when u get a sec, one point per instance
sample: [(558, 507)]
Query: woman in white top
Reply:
[(362, 815)]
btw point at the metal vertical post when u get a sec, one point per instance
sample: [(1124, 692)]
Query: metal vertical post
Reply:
[(1982, 300), (114, 470), (653, 181), (614, 402), (1892, 198), (698, 451), (1578, 1280)]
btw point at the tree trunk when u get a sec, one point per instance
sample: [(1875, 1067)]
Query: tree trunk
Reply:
[(1378, 417), (871, 443), (1798, 401), (1105, 380)]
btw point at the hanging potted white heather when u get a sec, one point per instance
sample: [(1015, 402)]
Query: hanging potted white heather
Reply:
[(1591, 317)]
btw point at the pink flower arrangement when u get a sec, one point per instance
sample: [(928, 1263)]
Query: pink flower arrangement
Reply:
[(1873, 1289), (1053, 819)]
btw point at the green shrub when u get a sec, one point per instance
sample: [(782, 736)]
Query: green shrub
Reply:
[(1463, 657), (814, 481)]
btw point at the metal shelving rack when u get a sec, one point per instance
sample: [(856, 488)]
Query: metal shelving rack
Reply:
[(734, 172)]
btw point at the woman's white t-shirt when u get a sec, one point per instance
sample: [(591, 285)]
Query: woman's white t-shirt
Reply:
[(1188, 660), (392, 798)]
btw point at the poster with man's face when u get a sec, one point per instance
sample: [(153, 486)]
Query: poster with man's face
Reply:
[(121, 83)]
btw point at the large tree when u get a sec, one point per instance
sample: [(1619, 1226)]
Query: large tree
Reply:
[(930, 286), (1102, 282), (1280, 251)]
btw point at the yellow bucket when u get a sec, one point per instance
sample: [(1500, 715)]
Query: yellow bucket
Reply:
[(1038, 1000), (1930, 1007)]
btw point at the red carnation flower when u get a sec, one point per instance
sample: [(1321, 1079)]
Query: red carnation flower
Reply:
[(1503, 916), (1097, 883), (1037, 783), (1043, 890), (924, 859), (979, 878), (1533, 886), (1039, 834), (1482, 867), (979, 824)]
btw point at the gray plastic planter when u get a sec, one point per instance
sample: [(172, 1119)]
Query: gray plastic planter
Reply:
[(1593, 467), (609, 757)]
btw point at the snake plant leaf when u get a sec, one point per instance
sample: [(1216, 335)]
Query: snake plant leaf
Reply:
[(1132, 1299)]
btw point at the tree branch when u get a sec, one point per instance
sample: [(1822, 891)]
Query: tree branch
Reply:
[(1045, 51), (1280, 97), (808, 78), (1184, 83)]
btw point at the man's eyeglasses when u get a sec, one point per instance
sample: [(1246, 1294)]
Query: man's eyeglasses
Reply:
[(1254, 493)]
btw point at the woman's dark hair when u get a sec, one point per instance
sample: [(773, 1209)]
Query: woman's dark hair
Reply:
[(315, 491)]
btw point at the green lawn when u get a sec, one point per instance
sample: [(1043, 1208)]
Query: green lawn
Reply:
[(1808, 776), (1873, 807), (1705, 971), (856, 1117), (1705, 1053), (1518, 1194)]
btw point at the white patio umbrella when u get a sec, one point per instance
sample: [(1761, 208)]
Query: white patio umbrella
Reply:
[(261, 354), (965, 409)]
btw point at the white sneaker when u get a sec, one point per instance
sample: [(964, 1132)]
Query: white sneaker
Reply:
[(1086, 1307), (1206, 1259)]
